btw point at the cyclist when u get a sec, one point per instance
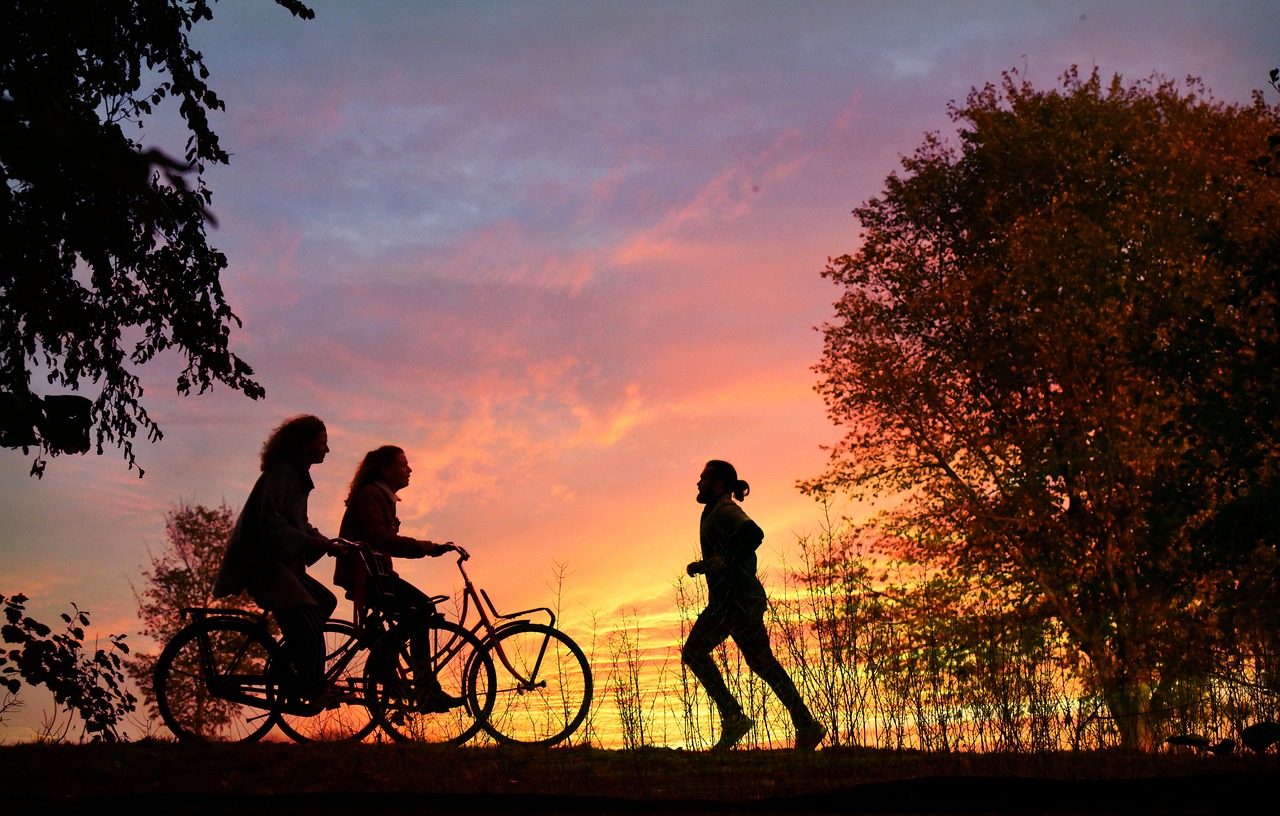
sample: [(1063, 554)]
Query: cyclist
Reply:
[(735, 608), (371, 518), (272, 544)]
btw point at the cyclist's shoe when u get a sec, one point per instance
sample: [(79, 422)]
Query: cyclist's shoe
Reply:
[(809, 735), (732, 730), (436, 701), (428, 695)]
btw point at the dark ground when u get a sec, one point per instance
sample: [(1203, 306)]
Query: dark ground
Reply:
[(164, 777)]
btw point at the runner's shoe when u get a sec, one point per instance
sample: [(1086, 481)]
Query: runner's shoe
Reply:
[(732, 730)]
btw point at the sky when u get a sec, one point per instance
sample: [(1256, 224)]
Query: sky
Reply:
[(561, 252)]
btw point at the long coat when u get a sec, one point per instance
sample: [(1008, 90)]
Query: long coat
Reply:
[(273, 543)]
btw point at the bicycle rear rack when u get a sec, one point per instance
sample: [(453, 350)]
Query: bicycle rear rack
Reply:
[(205, 612)]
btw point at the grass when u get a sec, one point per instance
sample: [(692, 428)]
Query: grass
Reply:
[(329, 774)]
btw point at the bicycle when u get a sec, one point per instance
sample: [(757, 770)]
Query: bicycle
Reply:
[(226, 677), (425, 678), (346, 652), (544, 682)]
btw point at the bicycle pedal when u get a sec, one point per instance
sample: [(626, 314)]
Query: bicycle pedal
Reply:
[(335, 698)]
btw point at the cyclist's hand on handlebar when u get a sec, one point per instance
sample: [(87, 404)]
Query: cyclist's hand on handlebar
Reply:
[(336, 546), (449, 546), (437, 550)]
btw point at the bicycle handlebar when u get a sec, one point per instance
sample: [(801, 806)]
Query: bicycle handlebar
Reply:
[(360, 546)]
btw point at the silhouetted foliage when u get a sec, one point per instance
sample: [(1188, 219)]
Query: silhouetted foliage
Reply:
[(1260, 736), (179, 577), (1056, 348), (104, 261), (89, 686)]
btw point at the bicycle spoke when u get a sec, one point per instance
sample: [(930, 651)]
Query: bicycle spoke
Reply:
[(544, 686), (344, 672), (192, 687), (419, 686)]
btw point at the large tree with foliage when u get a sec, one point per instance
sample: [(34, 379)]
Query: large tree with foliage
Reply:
[(104, 260), (1056, 348)]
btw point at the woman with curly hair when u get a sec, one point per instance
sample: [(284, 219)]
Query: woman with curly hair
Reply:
[(273, 543)]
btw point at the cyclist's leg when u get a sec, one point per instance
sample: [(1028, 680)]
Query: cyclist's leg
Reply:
[(412, 665), (348, 719), (303, 630), (406, 599), (404, 602)]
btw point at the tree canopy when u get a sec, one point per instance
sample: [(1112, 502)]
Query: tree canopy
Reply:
[(1056, 348), (104, 258)]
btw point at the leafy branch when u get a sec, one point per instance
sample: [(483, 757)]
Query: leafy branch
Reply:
[(91, 686)]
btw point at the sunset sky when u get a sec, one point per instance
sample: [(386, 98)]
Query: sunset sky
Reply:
[(561, 252)]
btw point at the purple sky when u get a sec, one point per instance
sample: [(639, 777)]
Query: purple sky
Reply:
[(563, 253)]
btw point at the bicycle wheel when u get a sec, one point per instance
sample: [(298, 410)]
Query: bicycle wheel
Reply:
[(345, 659), (544, 685), (429, 681), (211, 681)]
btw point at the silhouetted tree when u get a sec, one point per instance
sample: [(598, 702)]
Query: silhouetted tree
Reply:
[(181, 576), (104, 261), (1056, 347)]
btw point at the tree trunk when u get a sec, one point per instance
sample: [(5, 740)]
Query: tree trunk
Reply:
[(1129, 701)]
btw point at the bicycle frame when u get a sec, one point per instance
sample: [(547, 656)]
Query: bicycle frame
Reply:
[(372, 623), (492, 623), (489, 614), (256, 689), (528, 653), (487, 627)]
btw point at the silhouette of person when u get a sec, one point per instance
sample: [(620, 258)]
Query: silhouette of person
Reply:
[(272, 544), (736, 604), (371, 518)]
